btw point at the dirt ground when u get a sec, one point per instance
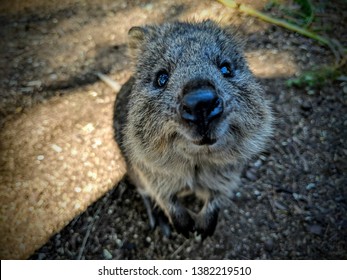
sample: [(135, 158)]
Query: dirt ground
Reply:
[(293, 200)]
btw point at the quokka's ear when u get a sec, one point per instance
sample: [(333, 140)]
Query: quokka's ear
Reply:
[(136, 37)]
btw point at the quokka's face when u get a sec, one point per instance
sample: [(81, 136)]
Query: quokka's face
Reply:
[(194, 86)]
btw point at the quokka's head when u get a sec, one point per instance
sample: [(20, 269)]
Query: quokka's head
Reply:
[(194, 92)]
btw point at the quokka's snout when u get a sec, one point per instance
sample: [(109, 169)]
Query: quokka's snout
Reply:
[(200, 106)]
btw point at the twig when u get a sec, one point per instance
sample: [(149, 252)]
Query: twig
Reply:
[(179, 249), (111, 83), (89, 230)]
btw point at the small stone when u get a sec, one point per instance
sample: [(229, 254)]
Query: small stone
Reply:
[(77, 205), (27, 89), (310, 186), (306, 106), (148, 7), (107, 254), (257, 193), (92, 175), (269, 245), (53, 77), (148, 239), (311, 92), (40, 157), (251, 175), (89, 127), (119, 242), (57, 148), (258, 163), (315, 229), (93, 93), (298, 196), (97, 143), (78, 189), (34, 84)]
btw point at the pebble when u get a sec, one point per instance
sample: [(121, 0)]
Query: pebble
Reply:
[(269, 245), (34, 84), (311, 92), (89, 127), (148, 7), (57, 148), (257, 193), (119, 242), (78, 189), (315, 229), (298, 196), (27, 89), (258, 163), (40, 157), (306, 106), (93, 93), (251, 175), (107, 254), (310, 186), (53, 77)]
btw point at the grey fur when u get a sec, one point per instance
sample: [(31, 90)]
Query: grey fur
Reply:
[(162, 151)]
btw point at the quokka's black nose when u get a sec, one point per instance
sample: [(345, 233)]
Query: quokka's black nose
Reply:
[(201, 106)]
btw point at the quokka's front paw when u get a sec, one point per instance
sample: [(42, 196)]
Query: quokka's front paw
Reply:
[(163, 222), (206, 223), (182, 221)]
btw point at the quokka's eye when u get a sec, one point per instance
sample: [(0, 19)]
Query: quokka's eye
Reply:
[(226, 70), (162, 78)]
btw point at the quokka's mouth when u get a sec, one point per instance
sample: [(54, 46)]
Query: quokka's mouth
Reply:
[(205, 141)]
